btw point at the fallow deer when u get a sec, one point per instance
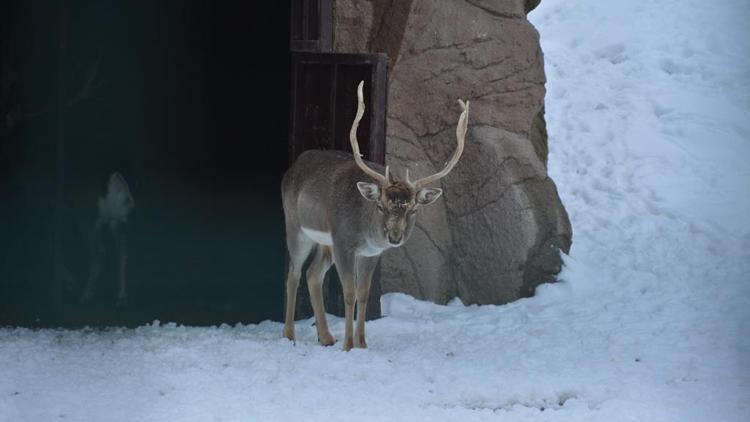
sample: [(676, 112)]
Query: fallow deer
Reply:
[(113, 211), (94, 218), (345, 211), (89, 217)]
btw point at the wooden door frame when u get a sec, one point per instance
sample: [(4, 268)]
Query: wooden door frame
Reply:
[(307, 16), (376, 104)]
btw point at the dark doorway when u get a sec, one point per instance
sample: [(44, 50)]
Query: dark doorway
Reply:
[(190, 102)]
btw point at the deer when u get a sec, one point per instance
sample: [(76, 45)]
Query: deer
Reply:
[(86, 210), (105, 213), (344, 211)]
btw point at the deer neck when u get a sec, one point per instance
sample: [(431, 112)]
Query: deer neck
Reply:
[(375, 243)]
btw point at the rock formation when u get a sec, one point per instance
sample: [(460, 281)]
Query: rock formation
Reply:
[(497, 232)]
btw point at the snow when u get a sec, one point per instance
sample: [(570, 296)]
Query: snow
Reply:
[(648, 111)]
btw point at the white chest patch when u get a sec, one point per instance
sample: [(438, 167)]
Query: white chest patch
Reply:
[(370, 250), (319, 237)]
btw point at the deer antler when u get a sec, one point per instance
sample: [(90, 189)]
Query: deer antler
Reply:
[(355, 145), (463, 122)]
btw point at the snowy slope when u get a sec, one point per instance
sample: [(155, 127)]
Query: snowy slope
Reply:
[(648, 111)]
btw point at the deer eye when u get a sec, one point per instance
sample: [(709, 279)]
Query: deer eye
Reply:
[(380, 208)]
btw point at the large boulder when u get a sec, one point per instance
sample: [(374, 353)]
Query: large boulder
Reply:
[(498, 230)]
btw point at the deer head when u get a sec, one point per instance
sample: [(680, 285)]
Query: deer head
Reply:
[(398, 201)]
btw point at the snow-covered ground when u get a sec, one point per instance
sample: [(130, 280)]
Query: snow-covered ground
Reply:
[(649, 117)]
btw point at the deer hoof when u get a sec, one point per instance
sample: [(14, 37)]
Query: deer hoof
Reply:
[(289, 332), (326, 339), (348, 344), (360, 343)]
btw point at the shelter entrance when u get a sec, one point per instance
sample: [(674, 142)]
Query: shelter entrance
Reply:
[(189, 101), (201, 106)]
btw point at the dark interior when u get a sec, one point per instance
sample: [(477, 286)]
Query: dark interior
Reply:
[(190, 102)]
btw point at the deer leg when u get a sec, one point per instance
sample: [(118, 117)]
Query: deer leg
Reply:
[(348, 287), (318, 268), (299, 250), (345, 267), (365, 269), (118, 234), (292, 282), (96, 247)]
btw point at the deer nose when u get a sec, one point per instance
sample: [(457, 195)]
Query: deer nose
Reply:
[(394, 239)]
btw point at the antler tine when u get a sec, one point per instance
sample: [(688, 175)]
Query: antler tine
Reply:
[(463, 122), (355, 145)]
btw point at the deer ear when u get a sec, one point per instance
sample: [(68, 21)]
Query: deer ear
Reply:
[(427, 196), (370, 191)]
